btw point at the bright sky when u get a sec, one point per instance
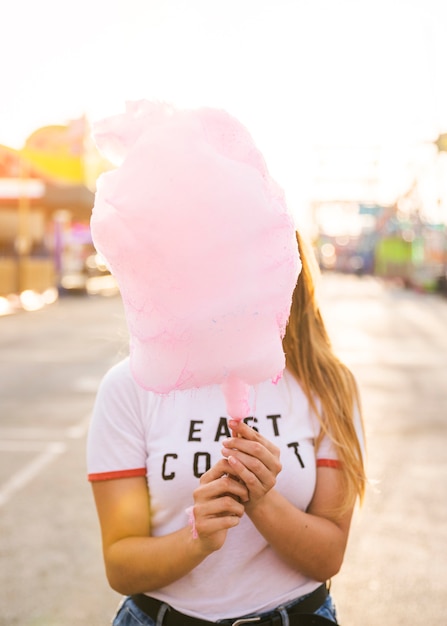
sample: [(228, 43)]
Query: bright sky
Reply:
[(300, 74)]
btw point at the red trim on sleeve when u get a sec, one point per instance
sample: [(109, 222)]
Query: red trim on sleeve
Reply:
[(333, 463), (129, 473)]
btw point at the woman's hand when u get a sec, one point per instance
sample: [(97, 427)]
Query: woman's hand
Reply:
[(218, 505), (253, 459)]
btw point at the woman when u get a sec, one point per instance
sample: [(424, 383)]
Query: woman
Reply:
[(270, 502)]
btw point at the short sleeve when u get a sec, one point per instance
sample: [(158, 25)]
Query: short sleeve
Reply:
[(116, 441)]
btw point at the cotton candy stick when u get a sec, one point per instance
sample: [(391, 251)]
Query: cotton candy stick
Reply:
[(237, 394)]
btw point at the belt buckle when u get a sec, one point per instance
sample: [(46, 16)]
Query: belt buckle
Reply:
[(246, 620)]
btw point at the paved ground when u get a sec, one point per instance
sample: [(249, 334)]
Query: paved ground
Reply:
[(396, 342), (51, 361)]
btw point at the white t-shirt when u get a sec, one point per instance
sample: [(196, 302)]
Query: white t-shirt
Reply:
[(172, 439)]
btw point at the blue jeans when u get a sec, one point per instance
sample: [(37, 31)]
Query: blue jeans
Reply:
[(130, 615)]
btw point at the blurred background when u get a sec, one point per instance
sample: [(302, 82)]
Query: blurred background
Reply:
[(347, 100)]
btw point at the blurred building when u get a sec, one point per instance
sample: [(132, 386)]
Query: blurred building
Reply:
[(402, 236), (46, 199)]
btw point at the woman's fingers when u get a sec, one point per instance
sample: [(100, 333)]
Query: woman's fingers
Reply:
[(241, 429), (254, 455), (265, 467), (218, 505), (218, 482), (252, 458), (223, 486), (215, 528), (252, 449), (215, 472)]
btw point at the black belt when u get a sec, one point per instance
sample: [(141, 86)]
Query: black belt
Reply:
[(300, 614)]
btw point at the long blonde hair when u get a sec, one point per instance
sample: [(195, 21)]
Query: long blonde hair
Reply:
[(309, 357)]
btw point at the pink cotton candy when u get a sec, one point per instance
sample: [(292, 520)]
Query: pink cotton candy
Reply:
[(192, 521), (200, 241)]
